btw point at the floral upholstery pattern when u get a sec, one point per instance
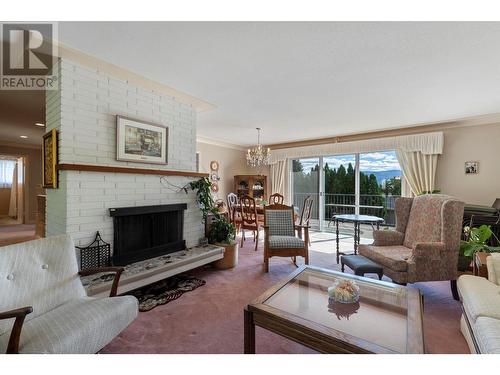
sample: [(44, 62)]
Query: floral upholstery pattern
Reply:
[(387, 238), (431, 227), (394, 257), (285, 242)]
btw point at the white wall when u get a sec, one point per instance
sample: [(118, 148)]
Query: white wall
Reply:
[(84, 111), (472, 143)]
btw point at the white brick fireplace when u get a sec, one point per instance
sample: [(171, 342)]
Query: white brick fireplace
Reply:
[(84, 112)]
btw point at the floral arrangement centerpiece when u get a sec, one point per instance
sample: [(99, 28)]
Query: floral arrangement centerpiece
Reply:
[(344, 291)]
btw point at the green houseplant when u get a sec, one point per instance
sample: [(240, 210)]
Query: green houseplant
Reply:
[(476, 240), (221, 232)]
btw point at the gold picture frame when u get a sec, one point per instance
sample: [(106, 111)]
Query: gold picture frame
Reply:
[(49, 160)]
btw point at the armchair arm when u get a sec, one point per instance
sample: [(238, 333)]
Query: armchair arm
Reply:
[(428, 251), (15, 335), (117, 270), (493, 264), (387, 238)]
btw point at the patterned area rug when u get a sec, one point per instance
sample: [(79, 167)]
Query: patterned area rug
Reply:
[(164, 291)]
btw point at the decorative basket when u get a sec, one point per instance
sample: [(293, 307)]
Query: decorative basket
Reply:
[(95, 255)]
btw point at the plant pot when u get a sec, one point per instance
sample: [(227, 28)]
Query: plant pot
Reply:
[(230, 259), (463, 263)]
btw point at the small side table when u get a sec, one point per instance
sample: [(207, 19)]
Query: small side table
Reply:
[(357, 220), (479, 264)]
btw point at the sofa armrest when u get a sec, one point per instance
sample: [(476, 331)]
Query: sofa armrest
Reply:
[(387, 238), (117, 270), (428, 251), (493, 265), (15, 335)]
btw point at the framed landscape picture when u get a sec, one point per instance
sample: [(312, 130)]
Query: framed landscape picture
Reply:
[(471, 167), (140, 141), (49, 160)]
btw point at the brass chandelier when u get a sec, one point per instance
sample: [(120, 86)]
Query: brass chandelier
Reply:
[(258, 155)]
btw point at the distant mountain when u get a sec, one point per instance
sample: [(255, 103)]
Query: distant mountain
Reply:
[(384, 175)]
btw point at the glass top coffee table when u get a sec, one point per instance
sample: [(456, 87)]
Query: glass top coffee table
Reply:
[(387, 318)]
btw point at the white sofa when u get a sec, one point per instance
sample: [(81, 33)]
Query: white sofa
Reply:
[(480, 323), (40, 284)]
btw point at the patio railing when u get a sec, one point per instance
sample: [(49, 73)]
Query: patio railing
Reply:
[(376, 205)]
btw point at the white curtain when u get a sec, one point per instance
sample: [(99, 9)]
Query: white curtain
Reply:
[(280, 179), (6, 172), (419, 171), (13, 194)]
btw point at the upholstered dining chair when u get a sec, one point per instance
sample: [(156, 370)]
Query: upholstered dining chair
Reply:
[(276, 198), (232, 210), (280, 237), (425, 244), (249, 219), (305, 215)]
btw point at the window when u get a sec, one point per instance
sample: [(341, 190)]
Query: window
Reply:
[(366, 184), (6, 173)]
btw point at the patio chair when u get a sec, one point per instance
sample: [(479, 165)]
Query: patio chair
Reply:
[(425, 244), (305, 215), (280, 237)]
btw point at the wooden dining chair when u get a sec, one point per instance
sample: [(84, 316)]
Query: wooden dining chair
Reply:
[(276, 198), (232, 208), (305, 215), (249, 219)]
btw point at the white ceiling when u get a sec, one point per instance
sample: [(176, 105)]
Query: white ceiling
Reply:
[(309, 80)]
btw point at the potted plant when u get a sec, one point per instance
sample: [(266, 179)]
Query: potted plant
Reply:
[(476, 240), (223, 233)]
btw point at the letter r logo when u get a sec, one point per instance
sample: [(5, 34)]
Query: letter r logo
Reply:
[(27, 49)]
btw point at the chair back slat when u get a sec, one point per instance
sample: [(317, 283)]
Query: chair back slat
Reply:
[(305, 215), (232, 203), (248, 210), (276, 198)]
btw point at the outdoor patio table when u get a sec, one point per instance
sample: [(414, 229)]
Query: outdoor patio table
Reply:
[(357, 220)]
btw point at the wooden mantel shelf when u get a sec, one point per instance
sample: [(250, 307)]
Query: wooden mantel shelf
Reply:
[(103, 168)]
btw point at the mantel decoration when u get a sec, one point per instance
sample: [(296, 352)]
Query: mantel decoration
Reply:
[(140, 141), (49, 160), (258, 156)]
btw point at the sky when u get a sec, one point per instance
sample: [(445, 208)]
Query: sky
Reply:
[(371, 162)]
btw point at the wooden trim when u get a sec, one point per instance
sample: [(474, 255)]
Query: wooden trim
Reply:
[(15, 335), (104, 169)]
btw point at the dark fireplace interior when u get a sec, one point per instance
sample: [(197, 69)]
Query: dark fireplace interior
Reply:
[(146, 232)]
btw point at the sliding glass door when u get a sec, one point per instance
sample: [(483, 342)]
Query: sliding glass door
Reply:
[(306, 182), (366, 184)]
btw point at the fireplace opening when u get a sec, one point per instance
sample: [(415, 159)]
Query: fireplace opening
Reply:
[(146, 232)]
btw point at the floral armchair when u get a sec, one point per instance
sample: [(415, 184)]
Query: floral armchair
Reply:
[(425, 244)]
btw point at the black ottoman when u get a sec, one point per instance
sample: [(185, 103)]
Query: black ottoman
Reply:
[(361, 265)]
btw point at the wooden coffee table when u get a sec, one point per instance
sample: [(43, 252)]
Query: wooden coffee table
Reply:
[(387, 319)]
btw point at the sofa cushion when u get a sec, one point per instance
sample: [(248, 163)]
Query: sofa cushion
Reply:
[(487, 334), (393, 257), (493, 264), (83, 325), (40, 273), (480, 297), (285, 242)]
